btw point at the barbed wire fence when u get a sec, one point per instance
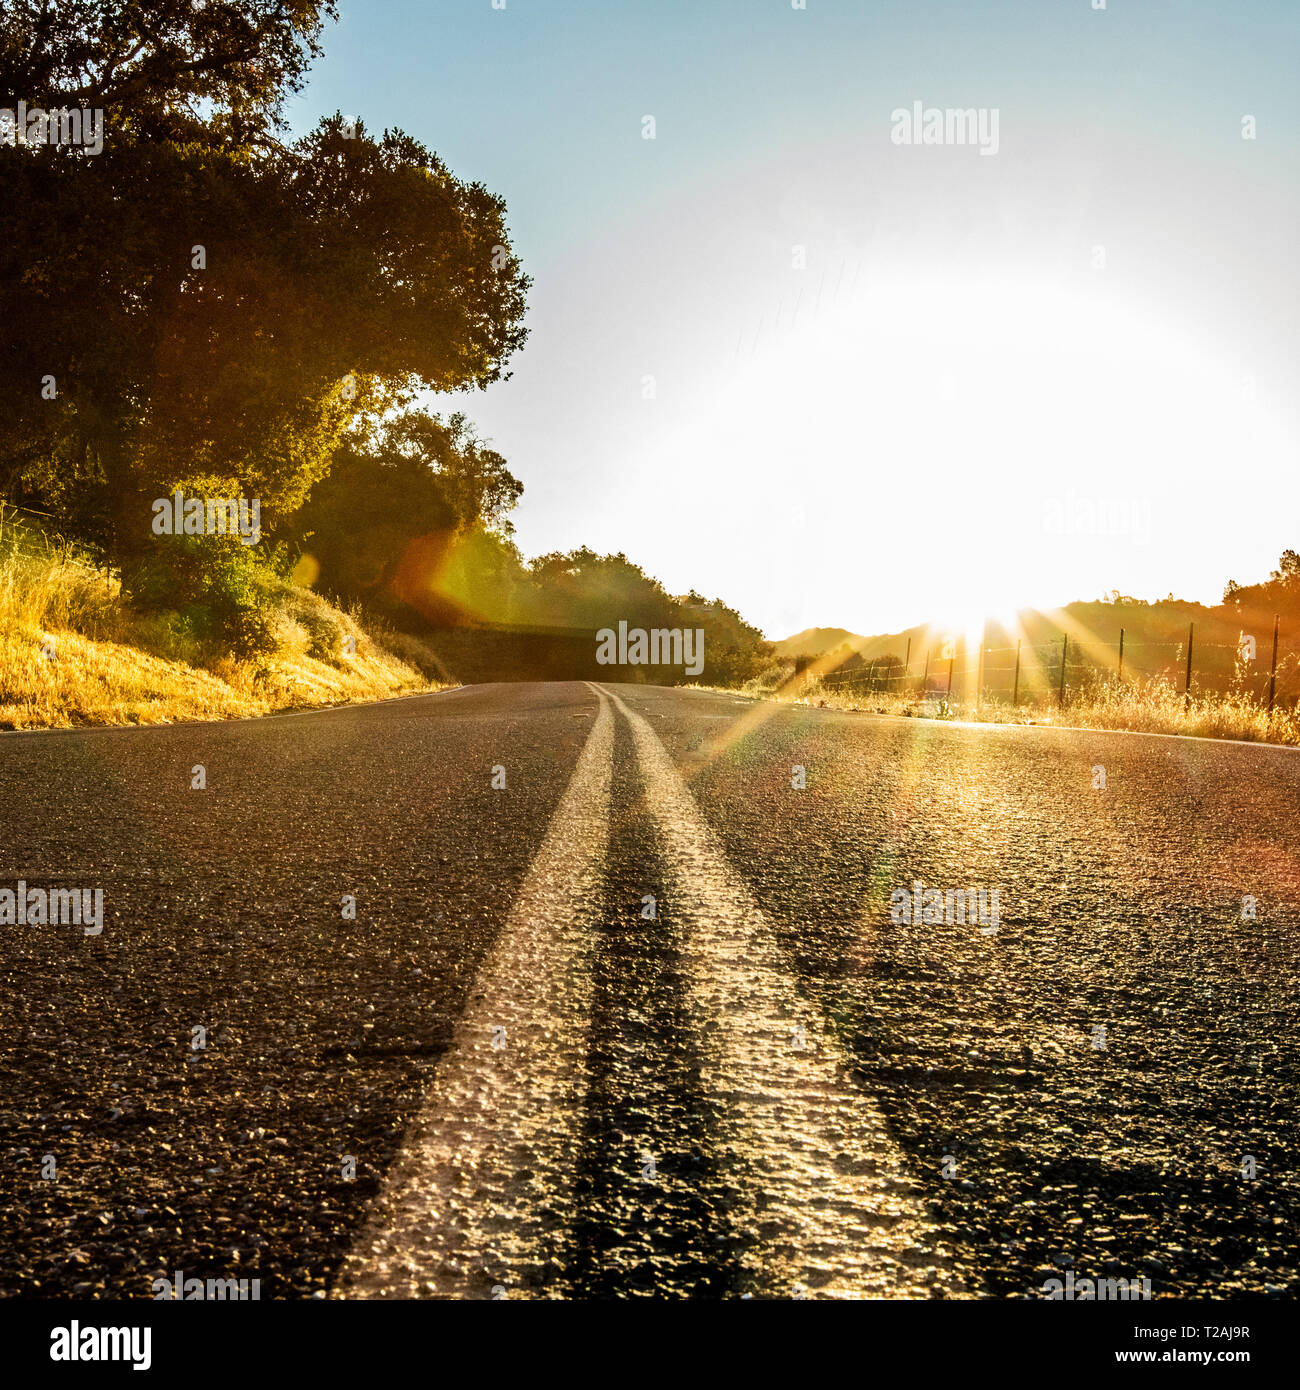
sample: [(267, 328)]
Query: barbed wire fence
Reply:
[(1060, 669), (44, 540)]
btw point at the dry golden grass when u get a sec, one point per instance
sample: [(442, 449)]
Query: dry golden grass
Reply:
[(1144, 707), (109, 665)]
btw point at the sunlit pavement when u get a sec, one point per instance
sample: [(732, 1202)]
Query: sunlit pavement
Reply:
[(655, 1017)]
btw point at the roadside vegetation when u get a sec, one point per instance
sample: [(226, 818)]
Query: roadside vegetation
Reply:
[(74, 650), (1150, 705), (924, 672)]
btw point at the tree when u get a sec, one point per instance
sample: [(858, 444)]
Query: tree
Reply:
[(584, 590), (164, 68), (220, 305), (473, 479), (397, 501), (1280, 591), (1288, 569), (734, 650)]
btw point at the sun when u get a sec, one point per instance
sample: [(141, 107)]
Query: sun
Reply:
[(910, 452), (970, 621)]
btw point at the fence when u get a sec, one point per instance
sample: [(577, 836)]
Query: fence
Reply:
[(43, 539), (1054, 668)]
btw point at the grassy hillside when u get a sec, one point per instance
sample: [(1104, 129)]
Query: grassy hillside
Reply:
[(74, 650)]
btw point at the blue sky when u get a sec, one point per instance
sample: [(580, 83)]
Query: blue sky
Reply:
[(885, 434)]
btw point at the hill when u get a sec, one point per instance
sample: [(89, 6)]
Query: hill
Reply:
[(813, 641)]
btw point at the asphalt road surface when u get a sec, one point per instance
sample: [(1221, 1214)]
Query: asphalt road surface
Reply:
[(647, 1019)]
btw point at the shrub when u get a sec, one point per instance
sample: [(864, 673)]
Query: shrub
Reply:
[(251, 633), (217, 586), (324, 626)]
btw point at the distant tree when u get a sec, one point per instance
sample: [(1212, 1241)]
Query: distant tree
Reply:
[(734, 650), (1280, 591), (581, 589), (418, 479), (486, 578), (474, 479)]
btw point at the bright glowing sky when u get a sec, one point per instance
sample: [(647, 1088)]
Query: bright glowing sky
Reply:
[(893, 433)]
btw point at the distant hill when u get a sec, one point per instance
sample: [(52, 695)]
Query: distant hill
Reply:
[(814, 641), (1155, 644)]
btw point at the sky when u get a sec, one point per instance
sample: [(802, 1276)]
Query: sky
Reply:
[(780, 355)]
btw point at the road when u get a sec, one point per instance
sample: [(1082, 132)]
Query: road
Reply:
[(645, 1020)]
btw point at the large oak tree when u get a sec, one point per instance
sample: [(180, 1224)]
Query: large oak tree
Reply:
[(210, 302)]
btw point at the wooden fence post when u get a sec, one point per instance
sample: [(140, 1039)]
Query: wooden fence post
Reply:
[(1187, 684)]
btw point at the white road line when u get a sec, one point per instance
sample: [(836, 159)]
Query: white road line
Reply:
[(482, 1188), (827, 1204)]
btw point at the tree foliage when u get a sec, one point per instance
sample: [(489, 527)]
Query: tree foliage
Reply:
[(1280, 592), (419, 480), (164, 69), (214, 302)]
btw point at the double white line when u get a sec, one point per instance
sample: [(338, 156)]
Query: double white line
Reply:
[(477, 1199), (464, 1209)]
